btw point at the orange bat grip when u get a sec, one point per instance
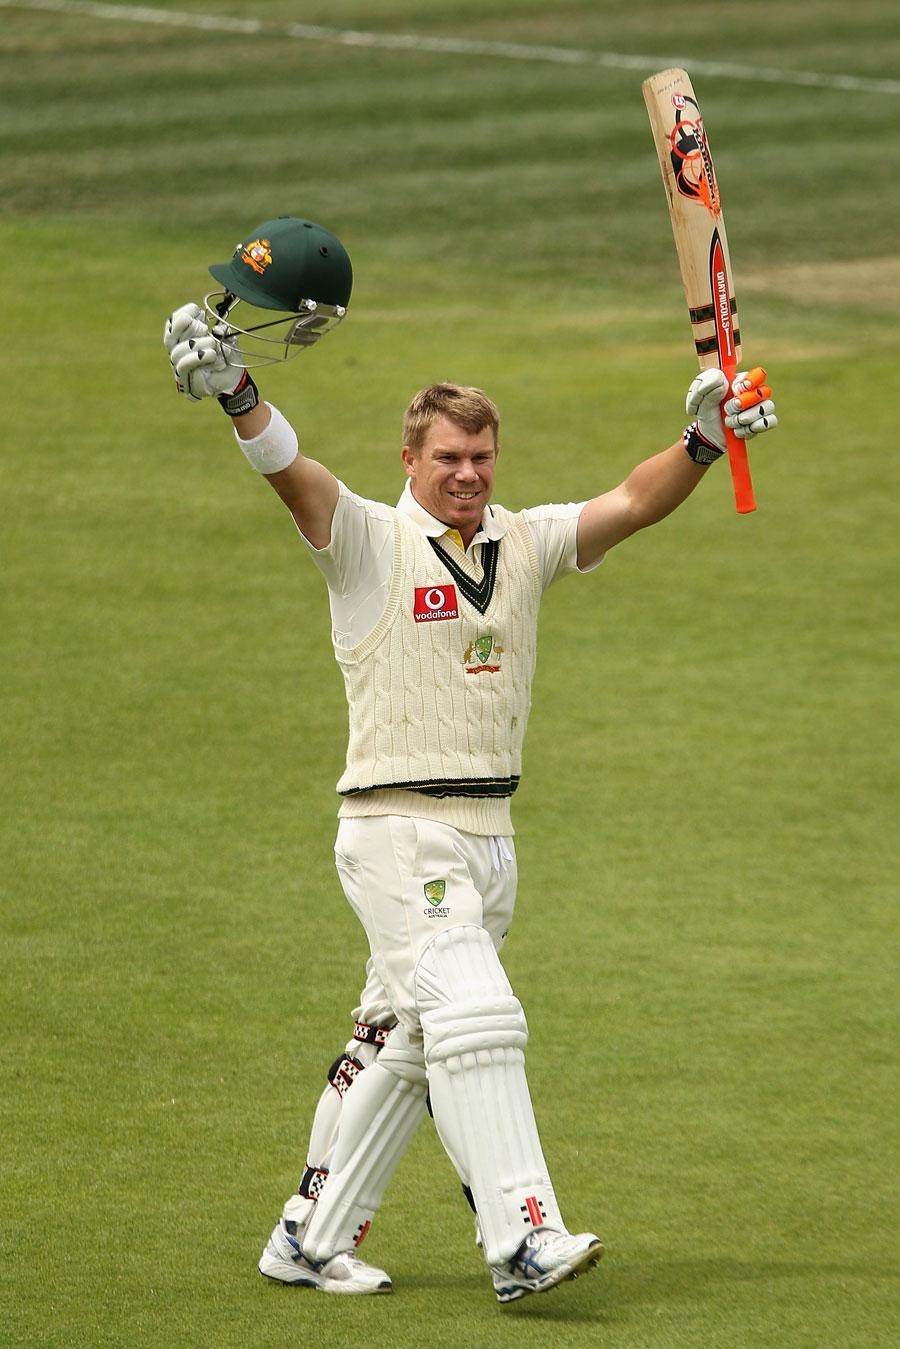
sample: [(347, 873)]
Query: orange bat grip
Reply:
[(744, 500)]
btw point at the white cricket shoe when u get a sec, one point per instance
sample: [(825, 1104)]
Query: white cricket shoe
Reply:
[(284, 1261), (545, 1258)]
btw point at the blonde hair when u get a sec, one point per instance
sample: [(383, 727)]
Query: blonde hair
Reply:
[(468, 408)]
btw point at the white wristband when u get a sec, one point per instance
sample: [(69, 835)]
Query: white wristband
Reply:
[(273, 449)]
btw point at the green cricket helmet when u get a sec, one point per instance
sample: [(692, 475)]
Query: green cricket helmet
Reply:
[(290, 265)]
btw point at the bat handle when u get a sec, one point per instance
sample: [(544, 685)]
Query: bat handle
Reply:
[(744, 500)]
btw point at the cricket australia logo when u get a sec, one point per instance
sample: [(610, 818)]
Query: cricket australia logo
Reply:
[(434, 893), (483, 655), (257, 255)]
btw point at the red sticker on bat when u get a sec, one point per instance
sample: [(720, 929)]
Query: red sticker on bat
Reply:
[(720, 290)]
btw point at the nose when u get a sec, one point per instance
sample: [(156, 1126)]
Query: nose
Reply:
[(465, 470)]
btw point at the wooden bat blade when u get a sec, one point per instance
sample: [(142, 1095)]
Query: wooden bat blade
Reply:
[(695, 210)]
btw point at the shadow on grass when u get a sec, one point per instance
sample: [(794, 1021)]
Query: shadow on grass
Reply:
[(606, 1294), (640, 1283), (563, 1303)]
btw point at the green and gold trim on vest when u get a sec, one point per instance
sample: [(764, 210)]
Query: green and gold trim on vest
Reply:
[(478, 593), (478, 787)]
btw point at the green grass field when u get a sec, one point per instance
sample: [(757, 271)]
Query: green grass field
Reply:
[(707, 827)]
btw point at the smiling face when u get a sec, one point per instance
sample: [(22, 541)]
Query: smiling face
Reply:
[(452, 474)]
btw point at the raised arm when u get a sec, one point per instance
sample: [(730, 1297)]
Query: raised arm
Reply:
[(204, 367), (307, 488), (658, 485)]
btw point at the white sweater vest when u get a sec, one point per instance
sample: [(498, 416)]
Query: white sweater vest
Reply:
[(440, 690)]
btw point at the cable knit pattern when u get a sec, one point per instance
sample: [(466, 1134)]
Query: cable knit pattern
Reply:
[(427, 715)]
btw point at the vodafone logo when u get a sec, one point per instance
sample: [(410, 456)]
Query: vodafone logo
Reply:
[(435, 603)]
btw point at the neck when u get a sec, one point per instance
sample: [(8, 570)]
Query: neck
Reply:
[(465, 532)]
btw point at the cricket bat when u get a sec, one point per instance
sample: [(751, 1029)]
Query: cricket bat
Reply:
[(695, 209)]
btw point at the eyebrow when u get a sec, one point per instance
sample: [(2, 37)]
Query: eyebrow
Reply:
[(458, 453)]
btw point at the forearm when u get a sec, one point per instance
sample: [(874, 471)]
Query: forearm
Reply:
[(268, 441), (307, 488), (659, 485), (253, 423), (652, 490)]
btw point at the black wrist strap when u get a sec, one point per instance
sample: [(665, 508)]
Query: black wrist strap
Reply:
[(701, 450), (242, 399)]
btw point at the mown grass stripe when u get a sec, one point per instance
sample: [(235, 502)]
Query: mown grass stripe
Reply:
[(454, 46)]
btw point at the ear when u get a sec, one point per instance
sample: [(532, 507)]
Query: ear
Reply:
[(409, 461)]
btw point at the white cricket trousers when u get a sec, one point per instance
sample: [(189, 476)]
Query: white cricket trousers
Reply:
[(407, 879)]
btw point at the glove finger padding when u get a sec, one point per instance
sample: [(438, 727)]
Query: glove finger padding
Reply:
[(751, 411), (706, 393), (753, 421), (203, 369), (183, 324), (195, 362)]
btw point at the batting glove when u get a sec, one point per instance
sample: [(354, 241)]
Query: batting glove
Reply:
[(205, 366), (752, 409), (749, 412), (187, 322)]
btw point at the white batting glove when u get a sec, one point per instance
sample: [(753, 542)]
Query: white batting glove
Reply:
[(752, 410), (748, 412), (704, 404), (187, 322), (206, 367)]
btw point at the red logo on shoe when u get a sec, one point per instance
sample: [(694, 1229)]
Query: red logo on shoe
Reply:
[(433, 603)]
